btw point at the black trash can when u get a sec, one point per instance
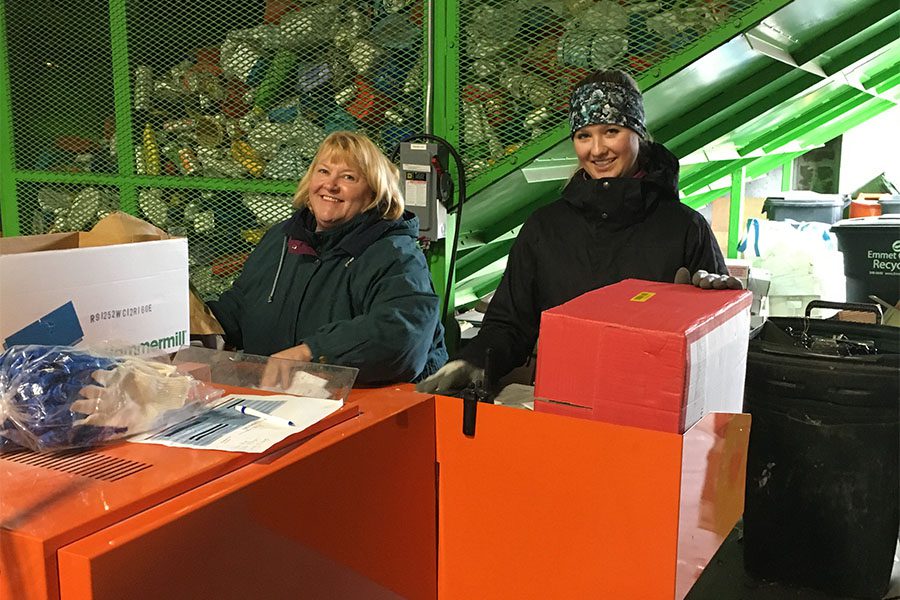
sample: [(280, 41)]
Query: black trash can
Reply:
[(871, 249), (823, 484)]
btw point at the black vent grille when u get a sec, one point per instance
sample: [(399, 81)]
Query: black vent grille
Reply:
[(78, 462)]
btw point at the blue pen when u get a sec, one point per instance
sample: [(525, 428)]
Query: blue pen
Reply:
[(262, 415)]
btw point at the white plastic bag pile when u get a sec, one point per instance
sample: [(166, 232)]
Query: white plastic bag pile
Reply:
[(802, 259)]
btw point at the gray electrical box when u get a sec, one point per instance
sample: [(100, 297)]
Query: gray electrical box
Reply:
[(421, 186)]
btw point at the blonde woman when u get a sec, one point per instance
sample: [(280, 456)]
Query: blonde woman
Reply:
[(342, 281)]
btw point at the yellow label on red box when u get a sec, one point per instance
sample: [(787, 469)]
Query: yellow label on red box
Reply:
[(643, 296)]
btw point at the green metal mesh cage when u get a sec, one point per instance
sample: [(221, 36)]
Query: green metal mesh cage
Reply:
[(202, 115), (206, 112), (521, 59), (61, 91), (222, 227), (57, 207), (240, 89)]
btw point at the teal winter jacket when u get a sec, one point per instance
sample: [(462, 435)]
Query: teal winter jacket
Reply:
[(358, 295)]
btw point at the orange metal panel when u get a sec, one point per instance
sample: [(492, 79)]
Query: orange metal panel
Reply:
[(350, 512), (43, 508), (544, 506), (714, 466), (27, 567)]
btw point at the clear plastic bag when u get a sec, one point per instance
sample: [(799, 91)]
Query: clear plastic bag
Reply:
[(56, 397), (764, 238)]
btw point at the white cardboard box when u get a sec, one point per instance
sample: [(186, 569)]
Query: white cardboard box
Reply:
[(55, 290), (739, 268)]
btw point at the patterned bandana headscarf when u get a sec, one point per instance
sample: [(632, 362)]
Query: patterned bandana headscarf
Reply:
[(609, 104)]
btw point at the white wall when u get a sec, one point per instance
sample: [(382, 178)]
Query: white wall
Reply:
[(870, 149)]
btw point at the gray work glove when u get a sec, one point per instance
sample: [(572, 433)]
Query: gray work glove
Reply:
[(455, 375), (708, 281)]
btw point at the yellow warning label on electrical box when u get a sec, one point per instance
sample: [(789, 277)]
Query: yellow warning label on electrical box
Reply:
[(643, 296)]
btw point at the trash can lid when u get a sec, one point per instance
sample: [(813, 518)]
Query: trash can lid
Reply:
[(804, 198), (889, 220)]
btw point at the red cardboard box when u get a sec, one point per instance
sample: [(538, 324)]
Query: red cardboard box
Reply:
[(644, 354)]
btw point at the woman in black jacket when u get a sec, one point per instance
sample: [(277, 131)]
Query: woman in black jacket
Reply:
[(619, 217)]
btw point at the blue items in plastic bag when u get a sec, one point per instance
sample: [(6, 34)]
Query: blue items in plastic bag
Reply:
[(54, 397), (37, 387)]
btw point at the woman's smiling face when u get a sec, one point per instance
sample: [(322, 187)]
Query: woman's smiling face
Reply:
[(607, 150), (338, 192)]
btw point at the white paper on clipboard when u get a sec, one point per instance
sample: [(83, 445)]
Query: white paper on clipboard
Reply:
[(224, 428)]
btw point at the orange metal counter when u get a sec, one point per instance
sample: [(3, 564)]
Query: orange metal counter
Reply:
[(533, 506), (543, 506), (351, 510)]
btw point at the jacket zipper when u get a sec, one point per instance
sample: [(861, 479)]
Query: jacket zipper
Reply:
[(278, 270)]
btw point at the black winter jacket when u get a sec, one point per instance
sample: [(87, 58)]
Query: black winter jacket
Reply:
[(359, 295), (600, 232)]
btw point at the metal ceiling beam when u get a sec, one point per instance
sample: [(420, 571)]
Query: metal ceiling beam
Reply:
[(763, 46), (847, 100), (470, 291), (700, 172), (866, 111), (692, 174), (845, 29), (483, 256), (889, 84), (700, 200), (719, 170), (763, 164), (510, 220), (883, 80), (883, 74), (867, 43), (754, 105), (753, 168), (882, 14), (828, 114), (842, 98), (722, 102), (487, 214)]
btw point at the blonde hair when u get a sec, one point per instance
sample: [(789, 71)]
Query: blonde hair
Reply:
[(361, 153)]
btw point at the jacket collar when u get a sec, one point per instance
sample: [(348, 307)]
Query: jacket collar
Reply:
[(351, 238), (627, 200)]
